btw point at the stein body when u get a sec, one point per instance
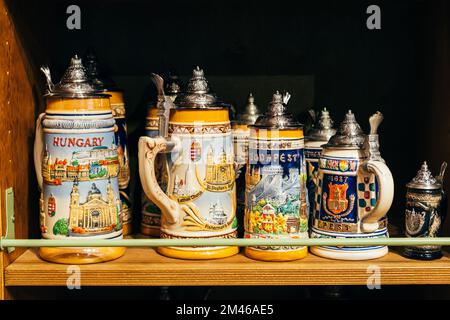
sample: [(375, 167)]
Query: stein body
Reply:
[(200, 199), (77, 167), (354, 193), (425, 212), (276, 205)]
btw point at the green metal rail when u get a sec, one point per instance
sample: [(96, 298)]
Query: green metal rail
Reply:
[(8, 243)]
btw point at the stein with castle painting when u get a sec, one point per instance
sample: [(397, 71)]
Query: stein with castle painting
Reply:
[(77, 167)]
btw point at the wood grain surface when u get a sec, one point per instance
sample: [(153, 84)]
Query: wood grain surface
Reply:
[(145, 267)]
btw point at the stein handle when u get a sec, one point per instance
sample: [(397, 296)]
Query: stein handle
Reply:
[(38, 150), (369, 223), (148, 149)]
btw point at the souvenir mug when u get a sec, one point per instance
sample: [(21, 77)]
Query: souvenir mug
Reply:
[(426, 209), (354, 191), (77, 167), (151, 214), (104, 84), (317, 136), (200, 199), (275, 202), (241, 133)]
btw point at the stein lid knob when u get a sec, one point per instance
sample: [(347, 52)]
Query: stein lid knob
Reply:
[(75, 83), (322, 129), (349, 135), (424, 179), (173, 85), (251, 112), (277, 116), (198, 93), (96, 74)]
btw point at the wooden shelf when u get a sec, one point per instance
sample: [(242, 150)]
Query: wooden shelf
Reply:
[(145, 267)]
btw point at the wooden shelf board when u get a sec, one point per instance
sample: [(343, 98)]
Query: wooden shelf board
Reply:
[(145, 267)]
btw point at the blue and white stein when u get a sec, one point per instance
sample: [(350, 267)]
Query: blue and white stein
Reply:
[(77, 167), (354, 192)]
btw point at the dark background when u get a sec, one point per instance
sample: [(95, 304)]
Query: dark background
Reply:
[(320, 51)]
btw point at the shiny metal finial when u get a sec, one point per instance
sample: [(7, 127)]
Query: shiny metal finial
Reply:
[(322, 129), (251, 112), (349, 134), (424, 179), (277, 116)]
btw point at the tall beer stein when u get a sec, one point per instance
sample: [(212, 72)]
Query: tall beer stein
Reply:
[(151, 214), (317, 136), (426, 209), (200, 199), (241, 133), (102, 83), (275, 184), (77, 166), (354, 191)]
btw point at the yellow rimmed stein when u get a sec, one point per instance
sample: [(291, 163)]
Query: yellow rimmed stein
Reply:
[(77, 167), (200, 199), (151, 214), (241, 133), (275, 197), (104, 84)]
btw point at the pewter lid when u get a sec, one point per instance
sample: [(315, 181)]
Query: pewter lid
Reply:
[(198, 94), (251, 113), (96, 73), (277, 115), (349, 135), (424, 179), (74, 83), (323, 129), (173, 85)]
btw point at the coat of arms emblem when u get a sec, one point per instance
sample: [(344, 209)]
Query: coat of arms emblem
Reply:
[(337, 201)]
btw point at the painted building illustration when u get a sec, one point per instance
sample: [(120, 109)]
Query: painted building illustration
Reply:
[(95, 215), (97, 163), (218, 171), (217, 214)]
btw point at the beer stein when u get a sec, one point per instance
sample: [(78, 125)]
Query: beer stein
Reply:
[(275, 196), (354, 191), (77, 169), (151, 214), (241, 133), (105, 84), (200, 198), (426, 209), (317, 136)]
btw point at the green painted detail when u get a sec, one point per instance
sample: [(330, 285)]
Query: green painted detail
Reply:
[(361, 186), (362, 203), (372, 186), (373, 202)]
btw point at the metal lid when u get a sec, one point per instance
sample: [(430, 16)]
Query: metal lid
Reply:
[(96, 73), (277, 115), (173, 85), (349, 135), (251, 113), (198, 94), (74, 83), (424, 179), (323, 129)]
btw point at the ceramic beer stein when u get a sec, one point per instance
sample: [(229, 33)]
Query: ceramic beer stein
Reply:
[(151, 214), (354, 191), (77, 168), (200, 199), (241, 133), (317, 136), (426, 209), (105, 84), (276, 205)]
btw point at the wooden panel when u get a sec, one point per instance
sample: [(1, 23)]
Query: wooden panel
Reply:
[(17, 114), (144, 267)]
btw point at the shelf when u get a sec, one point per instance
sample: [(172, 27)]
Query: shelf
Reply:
[(145, 267)]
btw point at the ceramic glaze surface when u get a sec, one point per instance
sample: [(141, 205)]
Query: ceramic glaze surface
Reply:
[(151, 214), (276, 192), (120, 139), (354, 192), (200, 183)]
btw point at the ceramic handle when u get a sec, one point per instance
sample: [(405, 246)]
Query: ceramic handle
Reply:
[(38, 150), (385, 196), (148, 149)]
